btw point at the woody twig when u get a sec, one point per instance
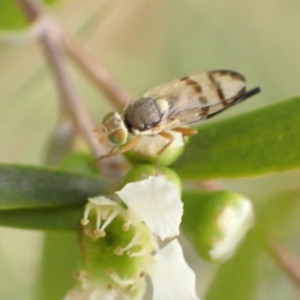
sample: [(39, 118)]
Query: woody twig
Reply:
[(285, 259), (54, 41)]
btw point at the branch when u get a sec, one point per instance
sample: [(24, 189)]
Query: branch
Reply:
[(98, 74), (285, 259), (52, 43), (32, 9)]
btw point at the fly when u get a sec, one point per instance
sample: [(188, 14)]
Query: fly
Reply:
[(174, 106)]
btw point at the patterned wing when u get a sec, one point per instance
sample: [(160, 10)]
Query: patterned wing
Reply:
[(195, 97)]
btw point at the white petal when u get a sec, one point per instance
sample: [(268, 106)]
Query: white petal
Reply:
[(90, 294), (171, 276), (98, 295), (156, 202)]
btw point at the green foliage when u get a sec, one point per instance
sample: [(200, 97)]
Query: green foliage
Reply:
[(30, 187), (12, 17), (58, 219), (60, 259), (36, 198)]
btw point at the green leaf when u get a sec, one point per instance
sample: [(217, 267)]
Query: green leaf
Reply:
[(262, 141), (30, 187), (60, 259), (48, 219), (11, 15)]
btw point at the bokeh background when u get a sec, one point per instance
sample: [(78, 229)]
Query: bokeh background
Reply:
[(145, 43)]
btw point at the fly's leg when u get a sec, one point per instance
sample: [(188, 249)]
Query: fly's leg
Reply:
[(103, 156), (122, 149), (185, 131), (170, 137)]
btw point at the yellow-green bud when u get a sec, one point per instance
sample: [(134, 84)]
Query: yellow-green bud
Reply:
[(147, 149), (216, 222), (144, 171)]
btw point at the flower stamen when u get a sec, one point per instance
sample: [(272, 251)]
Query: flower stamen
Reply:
[(142, 252), (98, 233), (126, 226), (143, 274), (85, 220), (105, 209), (110, 218), (119, 251), (135, 242), (120, 281)]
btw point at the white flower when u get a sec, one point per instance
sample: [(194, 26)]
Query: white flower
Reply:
[(95, 293), (171, 276), (157, 203), (154, 210)]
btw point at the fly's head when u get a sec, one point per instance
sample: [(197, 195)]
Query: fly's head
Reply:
[(113, 129)]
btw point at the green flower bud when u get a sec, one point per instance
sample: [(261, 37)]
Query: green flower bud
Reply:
[(149, 146), (79, 162), (216, 222), (144, 171)]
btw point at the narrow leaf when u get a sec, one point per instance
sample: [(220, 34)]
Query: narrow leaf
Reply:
[(31, 187), (61, 256), (47, 219)]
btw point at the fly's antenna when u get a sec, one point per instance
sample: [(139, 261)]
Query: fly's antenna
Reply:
[(100, 133)]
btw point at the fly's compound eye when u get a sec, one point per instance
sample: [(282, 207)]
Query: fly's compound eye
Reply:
[(108, 116), (118, 137), (116, 131)]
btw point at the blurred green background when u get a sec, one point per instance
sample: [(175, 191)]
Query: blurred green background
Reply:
[(145, 43)]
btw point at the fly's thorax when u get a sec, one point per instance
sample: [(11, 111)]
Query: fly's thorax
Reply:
[(163, 105), (114, 128), (144, 114)]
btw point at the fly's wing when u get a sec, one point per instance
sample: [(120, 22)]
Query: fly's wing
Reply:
[(195, 97)]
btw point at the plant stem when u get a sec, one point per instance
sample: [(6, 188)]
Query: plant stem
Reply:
[(285, 259), (98, 74), (51, 41)]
